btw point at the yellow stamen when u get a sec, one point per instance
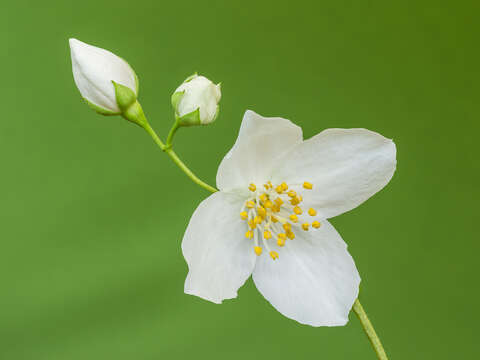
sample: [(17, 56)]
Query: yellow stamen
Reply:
[(280, 242), (244, 215), (293, 218), (316, 224), (275, 208), (282, 236), (261, 211), (274, 219), (290, 234), (263, 198), (305, 226), (250, 204), (258, 250), (249, 234), (279, 201), (312, 212), (297, 210), (287, 226), (252, 224), (268, 204), (295, 201), (292, 193), (284, 186), (279, 189), (273, 255), (257, 220), (252, 187), (307, 185), (267, 234)]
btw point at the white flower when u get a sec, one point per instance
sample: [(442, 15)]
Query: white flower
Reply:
[(94, 69), (276, 192), (198, 93)]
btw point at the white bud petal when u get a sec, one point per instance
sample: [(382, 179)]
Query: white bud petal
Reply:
[(94, 69), (199, 93)]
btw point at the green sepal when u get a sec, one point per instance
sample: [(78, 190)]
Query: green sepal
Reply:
[(190, 119), (99, 109), (191, 77), (137, 83), (176, 97), (135, 114), (124, 95)]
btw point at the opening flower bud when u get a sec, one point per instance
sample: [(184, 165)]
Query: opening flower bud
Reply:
[(196, 101), (99, 74)]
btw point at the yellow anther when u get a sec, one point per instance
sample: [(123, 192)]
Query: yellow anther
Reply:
[(292, 193), (261, 211), (243, 215), (274, 219), (279, 189), (273, 255), (293, 218), (295, 201), (270, 184), (252, 187), (297, 210), (250, 204), (284, 186), (280, 242), (249, 234), (307, 185), (312, 212), (257, 220), (252, 224), (316, 224), (305, 226), (282, 236), (287, 226), (267, 234), (275, 208), (258, 250), (290, 234), (263, 197), (300, 198), (278, 201), (268, 204)]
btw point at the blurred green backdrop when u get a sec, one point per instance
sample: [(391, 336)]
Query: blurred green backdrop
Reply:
[(92, 213)]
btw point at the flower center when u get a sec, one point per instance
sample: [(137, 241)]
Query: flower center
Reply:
[(273, 213)]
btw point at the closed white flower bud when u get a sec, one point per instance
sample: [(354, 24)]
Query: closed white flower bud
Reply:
[(99, 75), (196, 101)]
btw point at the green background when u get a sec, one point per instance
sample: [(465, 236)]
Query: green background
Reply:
[(92, 213)]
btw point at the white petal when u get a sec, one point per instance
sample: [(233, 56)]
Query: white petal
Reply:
[(93, 71), (259, 143), (314, 281), (219, 257), (346, 167)]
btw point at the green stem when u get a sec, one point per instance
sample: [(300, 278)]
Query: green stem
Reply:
[(172, 132), (369, 330), (169, 151)]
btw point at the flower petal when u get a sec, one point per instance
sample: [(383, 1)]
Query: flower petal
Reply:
[(346, 166), (260, 142), (220, 259), (314, 281)]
